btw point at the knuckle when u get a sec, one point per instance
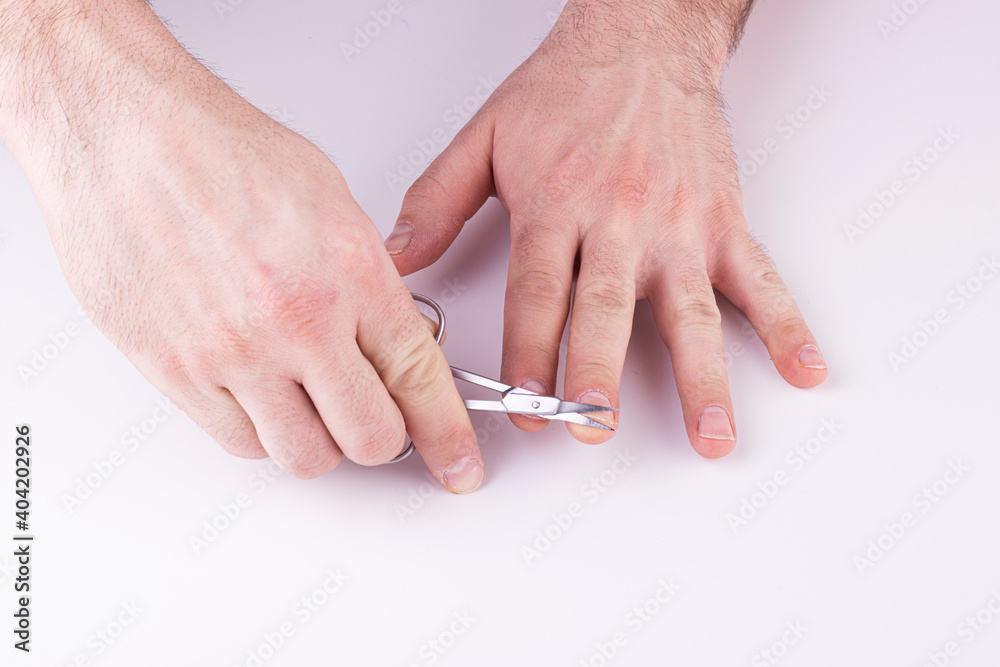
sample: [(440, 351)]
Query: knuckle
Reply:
[(769, 279), (531, 244), (630, 185), (749, 251), (533, 354), (428, 190), (244, 448), (297, 303), (238, 438), (538, 283), (565, 181), (712, 382), (776, 309), (790, 327), (694, 301), (172, 365), (200, 372), (693, 312), (610, 259), (605, 297), (597, 369), (696, 305), (298, 310), (766, 280), (355, 250), (234, 343), (684, 200), (416, 368), (309, 462), (379, 446)]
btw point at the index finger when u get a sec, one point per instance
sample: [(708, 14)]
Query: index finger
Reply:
[(399, 344)]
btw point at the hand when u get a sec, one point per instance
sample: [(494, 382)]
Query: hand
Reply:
[(608, 145), (238, 273)]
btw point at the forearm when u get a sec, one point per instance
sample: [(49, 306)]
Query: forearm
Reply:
[(76, 72), (692, 35)]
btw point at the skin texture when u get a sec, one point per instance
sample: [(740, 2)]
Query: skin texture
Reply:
[(609, 150), (220, 251)]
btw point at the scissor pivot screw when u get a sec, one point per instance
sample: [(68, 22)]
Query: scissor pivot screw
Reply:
[(535, 404)]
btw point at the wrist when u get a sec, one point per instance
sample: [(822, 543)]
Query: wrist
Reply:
[(688, 38)]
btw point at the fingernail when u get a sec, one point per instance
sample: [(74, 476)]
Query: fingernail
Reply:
[(597, 398), (810, 357), (535, 386), (464, 476), (714, 424), (401, 236)]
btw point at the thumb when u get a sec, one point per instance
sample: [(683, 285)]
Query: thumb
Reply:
[(446, 195)]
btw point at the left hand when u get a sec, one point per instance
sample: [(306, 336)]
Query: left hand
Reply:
[(614, 151)]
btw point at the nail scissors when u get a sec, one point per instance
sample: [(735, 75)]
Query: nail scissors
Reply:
[(513, 400)]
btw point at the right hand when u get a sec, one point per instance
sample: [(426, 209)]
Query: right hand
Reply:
[(246, 283)]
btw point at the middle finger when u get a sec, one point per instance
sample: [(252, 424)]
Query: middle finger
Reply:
[(600, 326)]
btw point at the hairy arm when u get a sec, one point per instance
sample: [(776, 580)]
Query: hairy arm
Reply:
[(72, 69), (696, 36), (76, 73), (222, 252)]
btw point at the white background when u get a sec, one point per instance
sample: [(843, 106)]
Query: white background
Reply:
[(667, 517)]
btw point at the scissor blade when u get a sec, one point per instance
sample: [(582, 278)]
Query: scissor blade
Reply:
[(477, 379), (569, 406), (576, 418), (485, 406), (539, 406), (579, 419)]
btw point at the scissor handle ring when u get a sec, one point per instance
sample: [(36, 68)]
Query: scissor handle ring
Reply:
[(439, 336)]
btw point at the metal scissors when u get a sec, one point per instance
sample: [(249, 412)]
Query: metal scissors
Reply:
[(513, 400)]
